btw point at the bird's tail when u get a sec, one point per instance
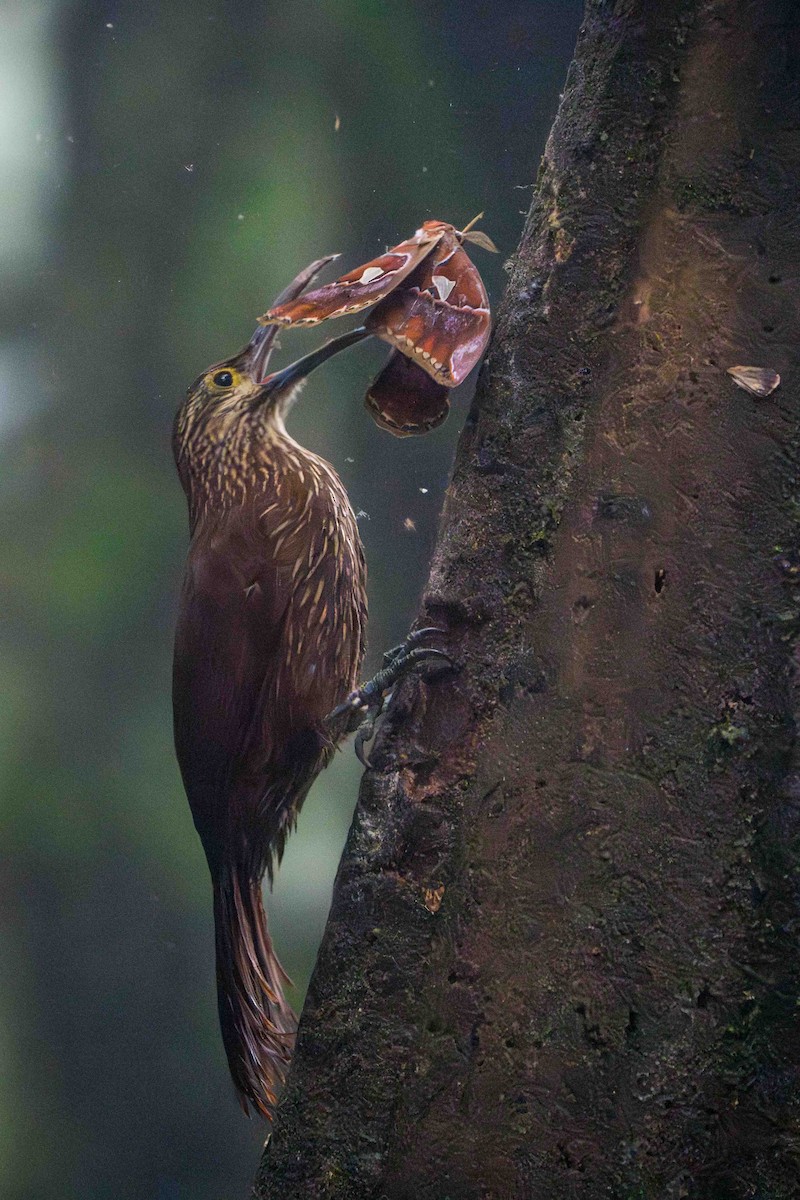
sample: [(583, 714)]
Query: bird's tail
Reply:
[(258, 1026)]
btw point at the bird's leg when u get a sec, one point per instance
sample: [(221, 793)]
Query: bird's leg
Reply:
[(364, 706)]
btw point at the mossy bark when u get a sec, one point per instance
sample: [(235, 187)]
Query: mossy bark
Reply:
[(562, 956)]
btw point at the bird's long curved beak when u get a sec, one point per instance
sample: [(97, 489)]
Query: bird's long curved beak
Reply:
[(256, 354), (287, 378)]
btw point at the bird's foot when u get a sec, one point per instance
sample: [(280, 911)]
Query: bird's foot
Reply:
[(364, 706)]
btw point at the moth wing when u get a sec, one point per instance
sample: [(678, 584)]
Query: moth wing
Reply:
[(301, 281), (440, 317), (358, 289), (759, 381), (405, 400)]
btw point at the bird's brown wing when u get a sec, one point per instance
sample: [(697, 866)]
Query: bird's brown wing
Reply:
[(227, 649), (269, 639)]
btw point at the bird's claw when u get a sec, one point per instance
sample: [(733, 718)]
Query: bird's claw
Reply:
[(410, 642), (366, 704)]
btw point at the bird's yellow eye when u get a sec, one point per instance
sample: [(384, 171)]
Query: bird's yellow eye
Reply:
[(225, 379)]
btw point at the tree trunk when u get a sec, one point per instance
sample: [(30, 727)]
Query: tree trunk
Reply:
[(562, 955)]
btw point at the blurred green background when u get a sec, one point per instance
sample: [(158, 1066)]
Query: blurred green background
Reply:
[(165, 169)]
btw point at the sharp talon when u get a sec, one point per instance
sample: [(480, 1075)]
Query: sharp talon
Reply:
[(432, 653), (398, 652), (370, 700), (360, 755), (364, 734), (404, 662)]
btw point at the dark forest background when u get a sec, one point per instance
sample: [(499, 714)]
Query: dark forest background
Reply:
[(166, 169)]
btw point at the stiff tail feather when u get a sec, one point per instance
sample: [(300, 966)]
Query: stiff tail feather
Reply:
[(258, 1026)]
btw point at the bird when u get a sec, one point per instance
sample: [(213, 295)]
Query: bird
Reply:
[(269, 641)]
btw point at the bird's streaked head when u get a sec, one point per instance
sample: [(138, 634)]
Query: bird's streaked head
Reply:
[(238, 384)]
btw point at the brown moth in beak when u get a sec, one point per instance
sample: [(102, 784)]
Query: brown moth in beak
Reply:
[(429, 303)]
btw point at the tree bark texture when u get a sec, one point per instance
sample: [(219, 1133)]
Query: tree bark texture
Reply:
[(562, 958)]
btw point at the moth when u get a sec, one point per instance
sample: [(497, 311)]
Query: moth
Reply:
[(428, 301), (759, 381)]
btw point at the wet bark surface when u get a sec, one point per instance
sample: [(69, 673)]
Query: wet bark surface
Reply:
[(562, 957)]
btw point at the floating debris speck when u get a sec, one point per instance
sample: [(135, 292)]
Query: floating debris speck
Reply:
[(759, 381), (337, 123), (424, 491)]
